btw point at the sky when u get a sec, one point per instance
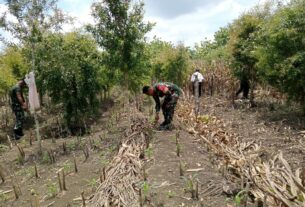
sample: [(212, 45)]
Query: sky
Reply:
[(177, 21)]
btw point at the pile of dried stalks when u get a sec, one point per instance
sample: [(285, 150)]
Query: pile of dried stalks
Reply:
[(271, 181), (123, 174)]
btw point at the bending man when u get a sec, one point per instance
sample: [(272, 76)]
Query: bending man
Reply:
[(171, 93)]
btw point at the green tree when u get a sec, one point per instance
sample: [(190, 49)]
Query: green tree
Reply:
[(31, 20), (243, 34), (12, 67), (281, 52), (71, 75), (120, 32)]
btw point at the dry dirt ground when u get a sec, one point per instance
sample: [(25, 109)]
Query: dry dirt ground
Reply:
[(274, 126)]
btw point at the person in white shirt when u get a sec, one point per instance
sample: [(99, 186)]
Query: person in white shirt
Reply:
[(200, 80)]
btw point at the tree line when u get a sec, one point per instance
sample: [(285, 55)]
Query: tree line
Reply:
[(264, 45)]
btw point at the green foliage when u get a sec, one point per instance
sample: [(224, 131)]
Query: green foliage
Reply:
[(69, 74), (67, 166), (52, 189), (120, 32), (239, 197), (45, 157), (145, 188), (169, 63), (12, 67), (282, 62), (93, 183), (149, 152), (243, 34)]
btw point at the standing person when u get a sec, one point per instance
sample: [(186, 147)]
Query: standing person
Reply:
[(18, 106), (244, 87), (200, 80), (171, 93)]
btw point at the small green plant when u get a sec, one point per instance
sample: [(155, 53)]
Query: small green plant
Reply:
[(20, 160), (145, 188), (93, 183), (52, 189), (239, 197), (45, 157), (149, 152), (170, 194), (67, 166), (71, 146), (3, 148), (103, 161), (4, 197)]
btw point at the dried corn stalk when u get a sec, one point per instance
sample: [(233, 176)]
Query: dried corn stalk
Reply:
[(124, 173), (273, 179)]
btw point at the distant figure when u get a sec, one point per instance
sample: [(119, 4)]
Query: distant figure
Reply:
[(244, 87), (18, 106), (171, 93), (200, 80)]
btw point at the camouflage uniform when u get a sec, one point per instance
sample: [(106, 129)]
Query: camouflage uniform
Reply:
[(170, 100), (18, 110)]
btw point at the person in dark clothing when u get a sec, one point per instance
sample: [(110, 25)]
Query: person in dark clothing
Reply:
[(244, 87), (171, 93), (18, 106)]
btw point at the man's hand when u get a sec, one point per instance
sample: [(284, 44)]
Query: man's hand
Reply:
[(157, 118), (25, 106)]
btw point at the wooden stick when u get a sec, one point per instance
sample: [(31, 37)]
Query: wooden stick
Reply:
[(140, 198), (59, 182), (197, 191), (246, 194), (64, 148), (144, 173), (2, 173), (36, 171), (75, 165), (83, 199), (177, 137), (104, 173), (30, 138), (9, 142), (178, 149), (16, 191), (181, 170), (64, 181)]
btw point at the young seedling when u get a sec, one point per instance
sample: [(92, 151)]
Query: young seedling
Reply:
[(52, 189), (31, 138)]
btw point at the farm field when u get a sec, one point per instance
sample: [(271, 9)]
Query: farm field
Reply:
[(171, 170)]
